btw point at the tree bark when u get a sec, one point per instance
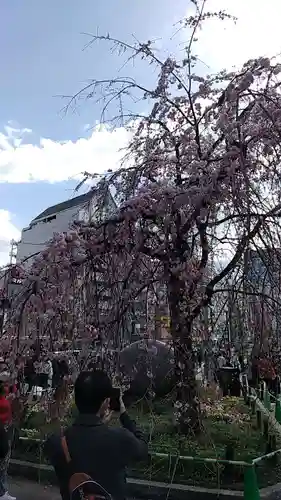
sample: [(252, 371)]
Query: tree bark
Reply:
[(187, 404)]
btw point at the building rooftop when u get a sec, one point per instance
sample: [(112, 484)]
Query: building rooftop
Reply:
[(64, 205)]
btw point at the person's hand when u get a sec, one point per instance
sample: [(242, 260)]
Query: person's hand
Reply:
[(122, 406), (107, 416)]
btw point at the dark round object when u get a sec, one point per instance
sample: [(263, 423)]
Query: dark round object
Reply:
[(150, 366), (230, 382)]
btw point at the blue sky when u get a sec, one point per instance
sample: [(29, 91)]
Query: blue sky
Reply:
[(42, 57)]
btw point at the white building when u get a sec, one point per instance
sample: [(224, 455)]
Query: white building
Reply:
[(57, 219)]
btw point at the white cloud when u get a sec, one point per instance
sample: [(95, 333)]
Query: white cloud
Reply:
[(55, 161), (223, 44), (8, 232)]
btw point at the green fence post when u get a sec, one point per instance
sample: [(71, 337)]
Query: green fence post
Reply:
[(265, 428), (278, 411), (259, 420), (251, 489), (253, 406), (229, 456)]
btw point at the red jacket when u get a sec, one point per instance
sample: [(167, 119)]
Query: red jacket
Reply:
[(5, 410)]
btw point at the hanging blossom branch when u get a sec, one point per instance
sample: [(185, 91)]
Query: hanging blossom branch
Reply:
[(199, 186)]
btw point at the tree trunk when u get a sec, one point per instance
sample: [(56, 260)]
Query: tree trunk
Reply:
[(187, 404)]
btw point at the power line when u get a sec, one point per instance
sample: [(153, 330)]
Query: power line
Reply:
[(29, 243)]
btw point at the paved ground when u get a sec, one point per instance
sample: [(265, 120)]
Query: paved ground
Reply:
[(27, 490)]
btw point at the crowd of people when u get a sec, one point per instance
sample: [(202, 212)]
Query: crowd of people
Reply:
[(36, 374), (263, 367), (226, 368), (36, 370), (44, 371)]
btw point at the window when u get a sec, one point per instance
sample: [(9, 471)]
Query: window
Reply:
[(83, 215), (49, 219)]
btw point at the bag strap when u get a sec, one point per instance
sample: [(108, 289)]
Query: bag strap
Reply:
[(82, 478), (65, 450)]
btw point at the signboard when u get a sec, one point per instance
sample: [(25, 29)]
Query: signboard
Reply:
[(165, 321)]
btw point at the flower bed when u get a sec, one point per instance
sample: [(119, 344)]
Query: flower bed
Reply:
[(228, 431)]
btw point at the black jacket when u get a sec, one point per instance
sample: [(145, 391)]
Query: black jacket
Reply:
[(98, 450), (4, 443)]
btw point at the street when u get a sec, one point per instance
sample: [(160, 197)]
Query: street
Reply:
[(30, 490), (27, 490)]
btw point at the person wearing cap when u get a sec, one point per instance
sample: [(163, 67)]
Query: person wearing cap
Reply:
[(102, 452)]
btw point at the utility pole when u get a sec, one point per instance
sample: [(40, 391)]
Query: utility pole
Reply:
[(13, 252)]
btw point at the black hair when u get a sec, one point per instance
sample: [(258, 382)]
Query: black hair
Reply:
[(2, 388), (91, 389)]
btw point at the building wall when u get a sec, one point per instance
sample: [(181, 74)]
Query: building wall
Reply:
[(264, 277), (35, 237), (264, 269)]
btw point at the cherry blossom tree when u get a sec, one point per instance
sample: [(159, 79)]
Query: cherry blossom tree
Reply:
[(199, 187)]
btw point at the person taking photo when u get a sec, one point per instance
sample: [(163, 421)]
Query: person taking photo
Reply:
[(91, 453)]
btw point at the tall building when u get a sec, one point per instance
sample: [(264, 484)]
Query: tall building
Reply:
[(55, 219), (58, 219), (263, 276)]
